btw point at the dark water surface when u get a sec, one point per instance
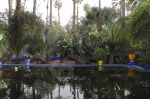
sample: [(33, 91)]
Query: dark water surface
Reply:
[(73, 83)]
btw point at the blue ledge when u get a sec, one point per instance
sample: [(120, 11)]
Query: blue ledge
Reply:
[(135, 67)]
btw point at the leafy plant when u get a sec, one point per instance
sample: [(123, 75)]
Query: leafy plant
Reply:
[(21, 29), (140, 21), (100, 54), (27, 56)]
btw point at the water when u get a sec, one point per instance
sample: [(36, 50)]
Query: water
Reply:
[(73, 83)]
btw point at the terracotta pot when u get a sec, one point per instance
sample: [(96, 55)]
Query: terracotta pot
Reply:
[(132, 57)]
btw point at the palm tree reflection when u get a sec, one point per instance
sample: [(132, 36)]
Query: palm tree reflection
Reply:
[(87, 83)]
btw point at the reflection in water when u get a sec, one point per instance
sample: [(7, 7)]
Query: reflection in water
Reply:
[(73, 83)]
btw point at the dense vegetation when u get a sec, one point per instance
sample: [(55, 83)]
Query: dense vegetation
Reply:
[(80, 39)]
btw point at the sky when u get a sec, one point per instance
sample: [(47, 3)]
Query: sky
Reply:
[(66, 11)]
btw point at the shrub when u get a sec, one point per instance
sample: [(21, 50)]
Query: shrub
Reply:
[(100, 54)]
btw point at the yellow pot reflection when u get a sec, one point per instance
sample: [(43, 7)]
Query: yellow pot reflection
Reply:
[(131, 73)]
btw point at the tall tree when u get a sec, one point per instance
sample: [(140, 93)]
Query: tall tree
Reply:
[(98, 17), (51, 7), (34, 6), (140, 21), (58, 5), (99, 4), (47, 8), (18, 6), (10, 9), (14, 29), (87, 8), (74, 14), (78, 3), (123, 8)]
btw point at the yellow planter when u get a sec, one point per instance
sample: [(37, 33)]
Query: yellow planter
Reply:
[(100, 62), (132, 57), (100, 65)]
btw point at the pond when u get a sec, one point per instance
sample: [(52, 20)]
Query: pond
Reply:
[(73, 83)]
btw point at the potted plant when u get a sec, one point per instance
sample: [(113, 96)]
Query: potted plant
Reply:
[(131, 57), (27, 57), (100, 55)]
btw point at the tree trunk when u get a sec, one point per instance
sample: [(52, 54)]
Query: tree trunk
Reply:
[(77, 14), (50, 21), (74, 15), (74, 91), (59, 92), (78, 97), (18, 6), (33, 92), (122, 8), (47, 12), (34, 6), (74, 28), (10, 9), (51, 94), (99, 4), (59, 15)]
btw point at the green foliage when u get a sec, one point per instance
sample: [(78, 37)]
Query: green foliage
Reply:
[(100, 17), (114, 35), (27, 56), (64, 46), (87, 8), (140, 21), (100, 54), (3, 41), (100, 30), (23, 26), (144, 59), (116, 42)]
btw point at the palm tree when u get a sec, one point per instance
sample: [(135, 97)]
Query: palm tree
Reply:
[(74, 15), (34, 6), (131, 4), (87, 8), (58, 5), (115, 39), (78, 3), (18, 6), (101, 17), (47, 7), (10, 7), (123, 8), (51, 7), (99, 4)]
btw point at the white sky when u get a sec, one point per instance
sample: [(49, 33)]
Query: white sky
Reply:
[(65, 12)]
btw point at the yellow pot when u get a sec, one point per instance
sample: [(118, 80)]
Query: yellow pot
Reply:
[(100, 65), (100, 62), (132, 57)]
